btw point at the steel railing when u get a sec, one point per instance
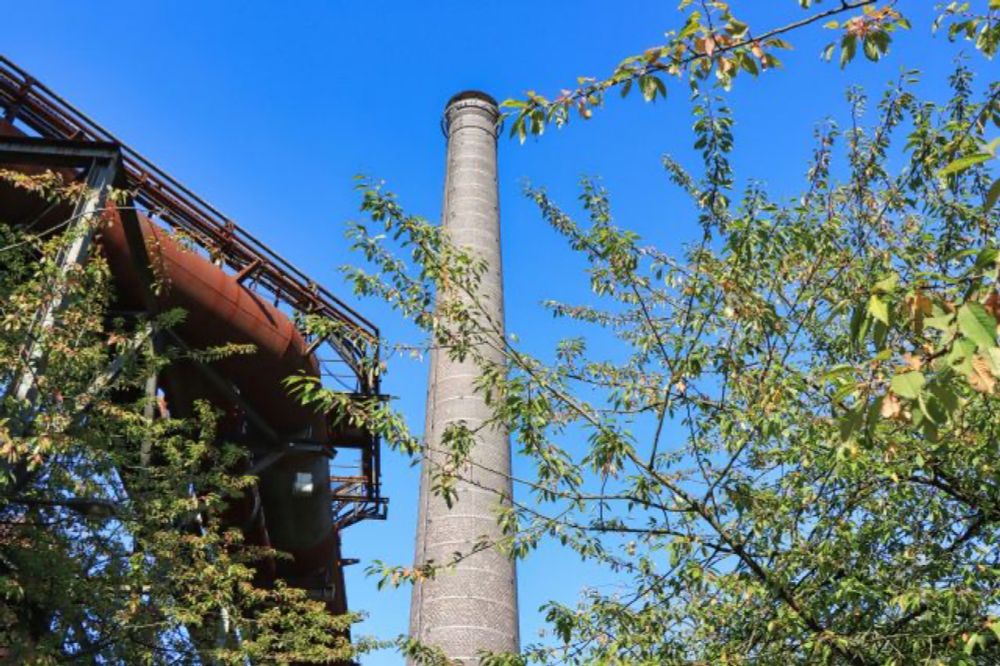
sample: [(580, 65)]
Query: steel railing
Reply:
[(30, 104)]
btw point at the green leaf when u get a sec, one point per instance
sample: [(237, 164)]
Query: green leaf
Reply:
[(871, 49), (908, 384), (944, 396), (859, 325), (850, 423), (995, 625), (838, 372), (963, 163), (975, 642), (844, 391), (881, 40), (660, 86), (960, 356), (930, 408), (880, 334), (985, 260), (878, 309), (650, 86), (848, 47), (692, 25), (886, 285), (977, 324), (992, 196), (941, 322)]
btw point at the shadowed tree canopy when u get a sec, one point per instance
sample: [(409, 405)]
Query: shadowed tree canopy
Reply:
[(114, 546)]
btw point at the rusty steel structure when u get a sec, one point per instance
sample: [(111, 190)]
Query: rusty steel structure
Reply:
[(235, 289)]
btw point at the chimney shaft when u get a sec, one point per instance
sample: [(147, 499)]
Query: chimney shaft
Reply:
[(472, 606)]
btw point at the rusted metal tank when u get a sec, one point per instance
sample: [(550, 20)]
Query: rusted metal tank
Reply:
[(219, 310), (290, 508)]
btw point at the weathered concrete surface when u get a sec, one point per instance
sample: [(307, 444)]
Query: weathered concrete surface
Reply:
[(472, 607)]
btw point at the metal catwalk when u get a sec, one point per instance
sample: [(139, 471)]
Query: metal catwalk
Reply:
[(234, 289)]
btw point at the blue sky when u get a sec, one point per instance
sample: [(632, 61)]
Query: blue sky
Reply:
[(269, 109)]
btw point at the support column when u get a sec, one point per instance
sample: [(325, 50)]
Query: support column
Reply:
[(82, 227), (472, 606)]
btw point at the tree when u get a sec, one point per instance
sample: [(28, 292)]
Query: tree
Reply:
[(114, 547), (795, 462), (713, 42)]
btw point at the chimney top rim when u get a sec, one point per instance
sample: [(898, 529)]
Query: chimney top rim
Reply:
[(472, 94)]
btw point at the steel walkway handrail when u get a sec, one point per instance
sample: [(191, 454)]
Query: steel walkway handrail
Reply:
[(32, 103), (25, 100)]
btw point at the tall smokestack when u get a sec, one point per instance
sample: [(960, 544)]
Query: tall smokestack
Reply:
[(472, 606)]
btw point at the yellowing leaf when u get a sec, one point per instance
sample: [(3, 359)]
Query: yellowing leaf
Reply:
[(992, 304), (913, 362), (891, 406), (981, 379), (918, 307)]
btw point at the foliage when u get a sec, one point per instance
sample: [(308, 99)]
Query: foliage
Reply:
[(980, 27), (790, 454), (114, 546), (712, 43)]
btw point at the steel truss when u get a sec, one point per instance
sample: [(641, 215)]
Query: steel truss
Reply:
[(65, 137)]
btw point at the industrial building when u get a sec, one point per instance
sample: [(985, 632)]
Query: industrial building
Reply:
[(235, 289)]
